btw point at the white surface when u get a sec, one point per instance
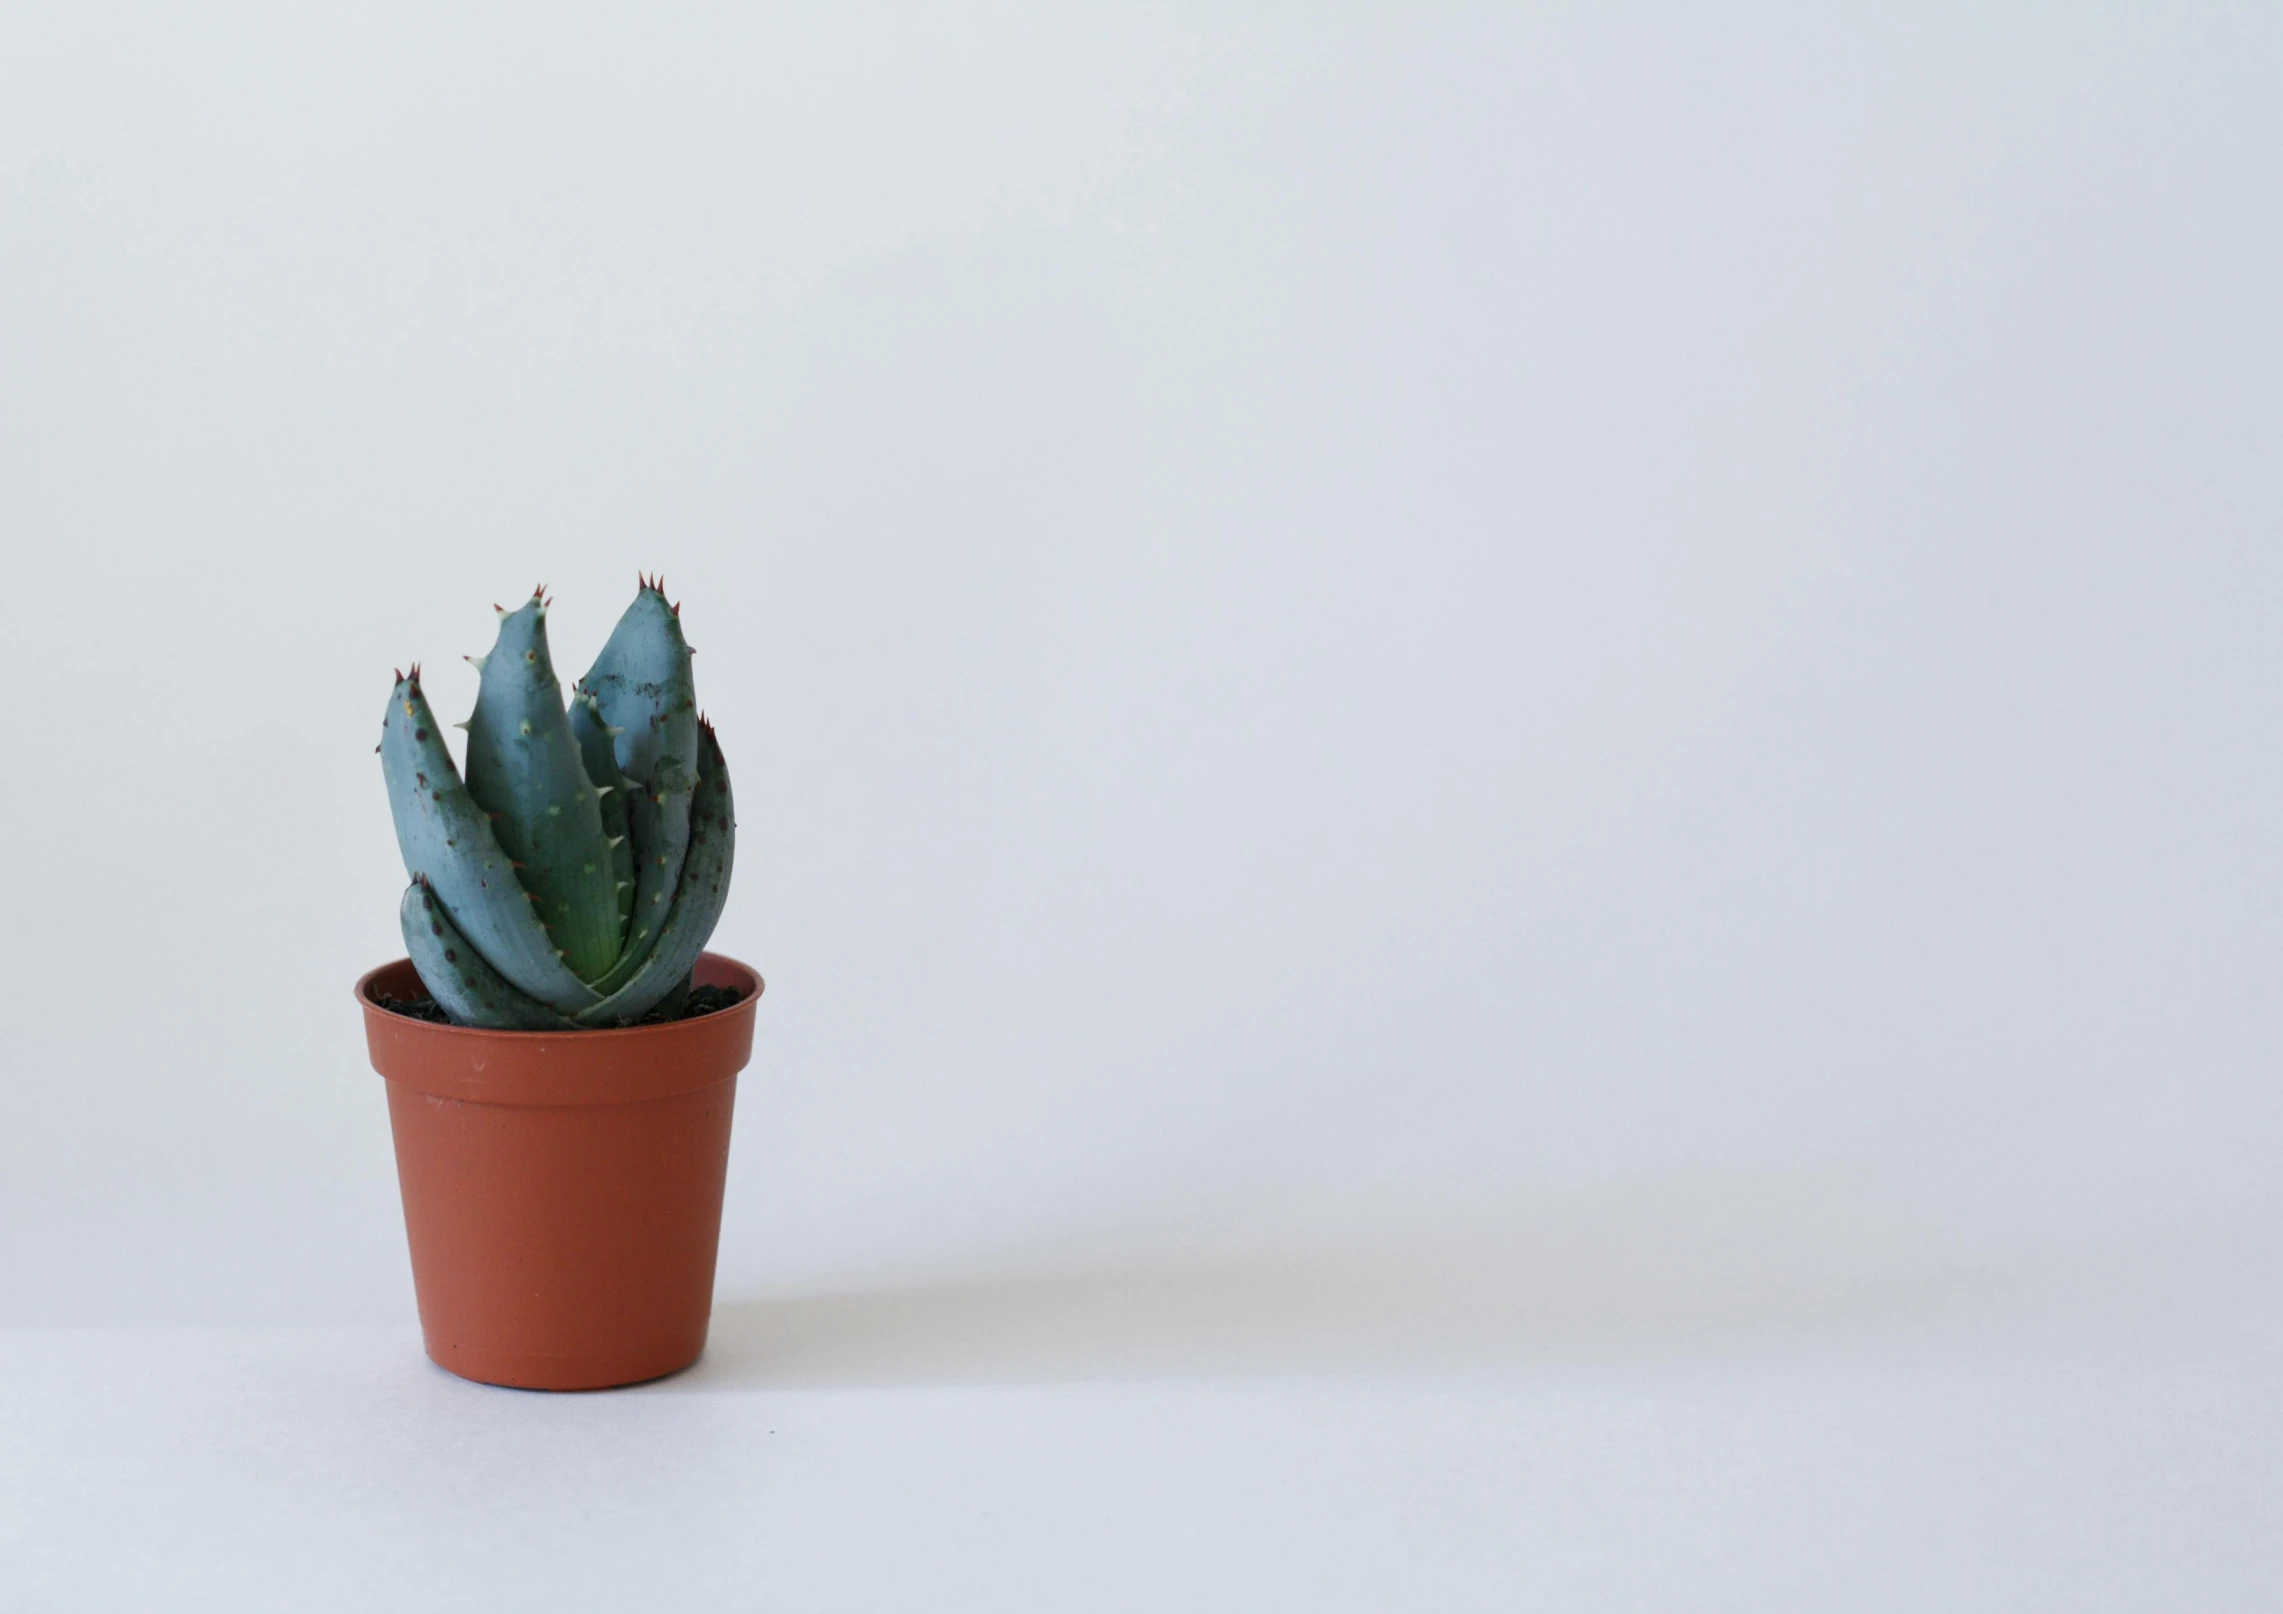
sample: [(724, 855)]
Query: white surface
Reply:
[(963, 1449), (1508, 777)]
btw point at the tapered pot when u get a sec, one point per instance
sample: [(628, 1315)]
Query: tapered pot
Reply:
[(562, 1190)]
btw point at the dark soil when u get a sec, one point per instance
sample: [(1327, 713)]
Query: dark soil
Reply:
[(702, 1000), (415, 1008)]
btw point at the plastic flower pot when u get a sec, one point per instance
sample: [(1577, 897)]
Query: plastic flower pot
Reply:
[(562, 1190)]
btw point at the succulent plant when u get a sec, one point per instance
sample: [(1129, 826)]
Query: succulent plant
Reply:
[(572, 877)]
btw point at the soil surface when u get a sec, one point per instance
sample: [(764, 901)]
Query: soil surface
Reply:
[(702, 1000)]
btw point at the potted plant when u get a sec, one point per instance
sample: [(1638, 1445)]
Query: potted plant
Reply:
[(561, 1053)]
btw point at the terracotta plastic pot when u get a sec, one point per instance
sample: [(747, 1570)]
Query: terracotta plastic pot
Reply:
[(562, 1190)]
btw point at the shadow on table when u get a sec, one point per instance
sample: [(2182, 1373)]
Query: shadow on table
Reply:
[(1676, 1270)]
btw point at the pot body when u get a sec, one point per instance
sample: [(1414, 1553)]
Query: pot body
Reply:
[(562, 1190)]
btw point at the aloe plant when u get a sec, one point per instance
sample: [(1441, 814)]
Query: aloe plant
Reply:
[(571, 878)]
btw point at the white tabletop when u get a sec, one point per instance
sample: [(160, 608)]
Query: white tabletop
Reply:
[(1319, 1431)]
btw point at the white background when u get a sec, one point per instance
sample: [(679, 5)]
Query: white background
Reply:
[(1509, 777)]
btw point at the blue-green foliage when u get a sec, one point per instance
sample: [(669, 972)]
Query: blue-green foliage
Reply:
[(643, 695), (573, 878)]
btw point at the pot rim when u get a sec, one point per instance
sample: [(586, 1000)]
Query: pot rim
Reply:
[(621, 1065), (752, 987)]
